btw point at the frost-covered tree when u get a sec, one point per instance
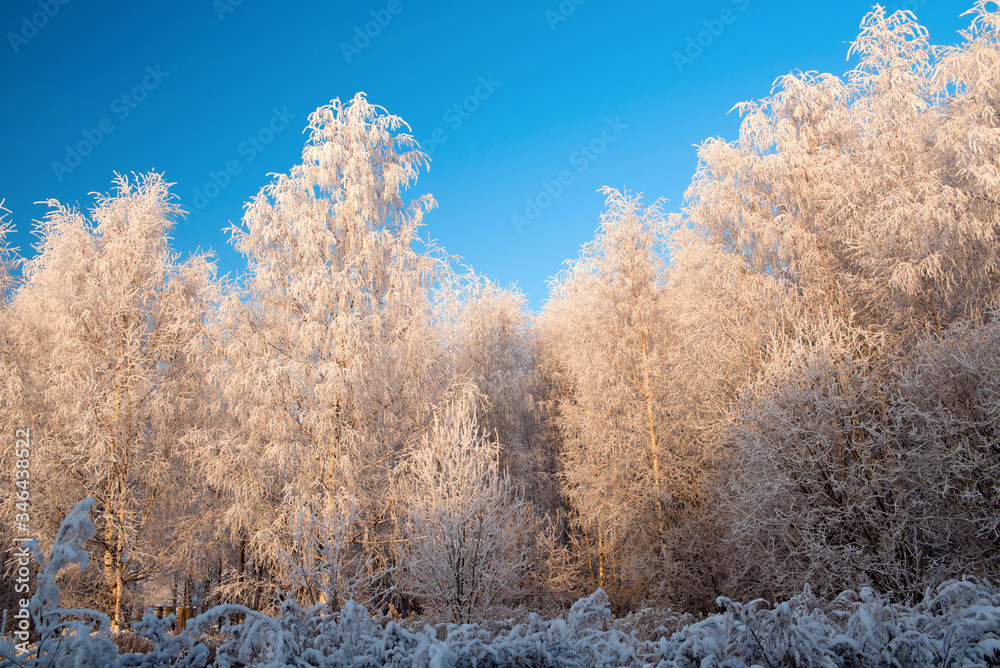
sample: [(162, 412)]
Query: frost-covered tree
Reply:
[(468, 533), (9, 258), (329, 360), (109, 323), (632, 468), (868, 197), (851, 220), (490, 335), (924, 238)]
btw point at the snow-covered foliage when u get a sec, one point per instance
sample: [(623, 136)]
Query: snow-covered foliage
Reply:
[(8, 255), (66, 637), (955, 625), (103, 336), (787, 390), (468, 531)]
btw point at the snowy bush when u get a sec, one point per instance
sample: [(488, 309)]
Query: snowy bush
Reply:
[(470, 531), (957, 624), (66, 637)]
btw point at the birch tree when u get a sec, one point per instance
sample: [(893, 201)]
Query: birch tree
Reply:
[(111, 320), (468, 532), (630, 470), (329, 357)]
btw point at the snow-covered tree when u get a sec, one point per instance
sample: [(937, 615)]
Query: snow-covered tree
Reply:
[(467, 532), (9, 258), (490, 335), (633, 471), (109, 323), (851, 220), (329, 360), (868, 197)]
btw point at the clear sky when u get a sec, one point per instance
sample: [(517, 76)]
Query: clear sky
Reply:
[(508, 97)]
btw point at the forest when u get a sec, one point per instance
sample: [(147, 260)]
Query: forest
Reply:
[(787, 391)]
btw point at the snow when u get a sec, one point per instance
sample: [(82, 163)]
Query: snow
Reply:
[(957, 624)]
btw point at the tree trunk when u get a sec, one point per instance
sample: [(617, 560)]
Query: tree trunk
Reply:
[(113, 576)]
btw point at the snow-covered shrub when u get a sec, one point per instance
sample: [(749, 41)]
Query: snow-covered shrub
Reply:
[(469, 529), (956, 624), (650, 624), (66, 637)]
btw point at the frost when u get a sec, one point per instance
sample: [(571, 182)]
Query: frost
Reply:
[(955, 625)]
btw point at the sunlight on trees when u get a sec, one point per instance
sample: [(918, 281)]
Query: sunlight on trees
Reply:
[(789, 389), (123, 322)]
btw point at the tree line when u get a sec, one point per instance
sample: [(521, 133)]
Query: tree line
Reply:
[(795, 380)]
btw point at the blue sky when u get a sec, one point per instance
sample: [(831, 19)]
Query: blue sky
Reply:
[(509, 98)]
